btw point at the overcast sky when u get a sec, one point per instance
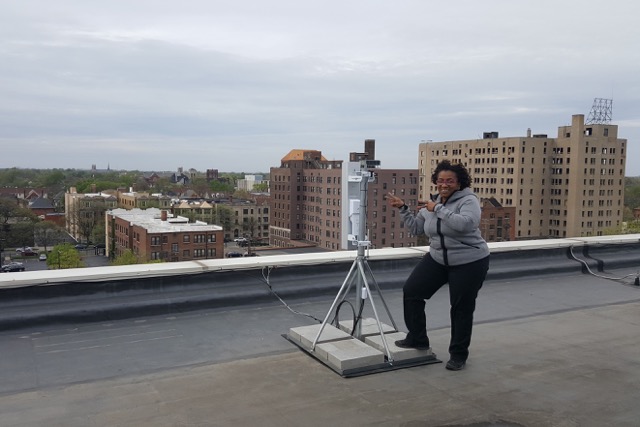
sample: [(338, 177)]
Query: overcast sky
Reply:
[(235, 85)]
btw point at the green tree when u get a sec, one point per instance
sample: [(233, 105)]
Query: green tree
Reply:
[(163, 185), (16, 224), (127, 258), (242, 194), (47, 234), (262, 187), (221, 187), (11, 211), (249, 227), (21, 234), (223, 217), (98, 233), (141, 184), (631, 196), (64, 256), (200, 186), (88, 216), (54, 178), (633, 227)]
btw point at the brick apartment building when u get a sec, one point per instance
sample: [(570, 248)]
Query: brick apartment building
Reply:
[(248, 218), (310, 201), (154, 234), (568, 186), (142, 200), (305, 201), (496, 221)]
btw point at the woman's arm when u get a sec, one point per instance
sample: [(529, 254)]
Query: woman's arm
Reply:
[(413, 221)]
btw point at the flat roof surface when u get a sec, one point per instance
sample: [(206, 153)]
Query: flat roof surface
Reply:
[(555, 350), (151, 220)]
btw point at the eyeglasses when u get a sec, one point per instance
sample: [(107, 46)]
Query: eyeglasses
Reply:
[(446, 181)]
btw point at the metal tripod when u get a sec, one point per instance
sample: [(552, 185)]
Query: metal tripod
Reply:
[(358, 274)]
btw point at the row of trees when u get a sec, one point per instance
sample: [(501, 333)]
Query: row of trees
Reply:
[(64, 256), (631, 196), (20, 227), (85, 180)]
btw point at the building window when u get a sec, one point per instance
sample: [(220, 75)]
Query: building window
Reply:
[(174, 248), (186, 238)]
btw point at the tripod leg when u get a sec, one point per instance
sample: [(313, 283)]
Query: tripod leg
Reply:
[(375, 312), (373, 278), (335, 302)]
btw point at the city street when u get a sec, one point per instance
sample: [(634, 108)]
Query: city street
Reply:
[(89, 258)]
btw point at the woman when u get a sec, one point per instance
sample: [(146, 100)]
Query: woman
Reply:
[(458, 255)]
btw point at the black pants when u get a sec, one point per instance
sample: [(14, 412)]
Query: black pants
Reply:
[(464, 283)]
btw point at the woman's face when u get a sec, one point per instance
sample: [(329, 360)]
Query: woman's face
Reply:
[(447, 183)]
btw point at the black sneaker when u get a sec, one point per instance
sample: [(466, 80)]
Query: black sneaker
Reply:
[(455, 365), (405, 343)]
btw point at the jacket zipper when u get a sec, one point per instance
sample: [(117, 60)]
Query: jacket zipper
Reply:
[(444, 248), (445, 256)]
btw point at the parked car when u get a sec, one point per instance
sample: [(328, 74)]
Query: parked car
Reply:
[(42, 257), (13, 266), (239, 239), (29, 253), (234, 255), (81, 246), (24, 249)]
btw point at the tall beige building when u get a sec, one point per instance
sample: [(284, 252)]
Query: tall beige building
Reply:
[(568, 186)]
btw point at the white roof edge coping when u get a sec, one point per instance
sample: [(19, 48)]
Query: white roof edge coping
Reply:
[(99, 274)]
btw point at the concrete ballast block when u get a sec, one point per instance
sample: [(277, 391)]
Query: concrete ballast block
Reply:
[(397, 353), (348, 354), (305, 335), (368, 326)]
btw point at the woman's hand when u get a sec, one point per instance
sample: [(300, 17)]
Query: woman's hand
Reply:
[(394, 200), (429, 205)]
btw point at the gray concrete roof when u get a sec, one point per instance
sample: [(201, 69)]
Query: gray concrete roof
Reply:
[(549, 349)]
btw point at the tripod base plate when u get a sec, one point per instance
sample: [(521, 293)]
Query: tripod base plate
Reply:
[(350, 357)]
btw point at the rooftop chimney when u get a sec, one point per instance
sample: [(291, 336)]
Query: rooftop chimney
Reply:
[(163, 215), (370, 148)]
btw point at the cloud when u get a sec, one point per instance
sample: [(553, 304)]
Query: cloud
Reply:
[(156, 85)]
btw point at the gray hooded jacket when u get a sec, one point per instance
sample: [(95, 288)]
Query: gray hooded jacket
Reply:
[(452, 228)]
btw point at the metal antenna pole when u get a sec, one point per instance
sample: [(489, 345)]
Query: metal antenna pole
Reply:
[(362, 245), (358, 268)]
